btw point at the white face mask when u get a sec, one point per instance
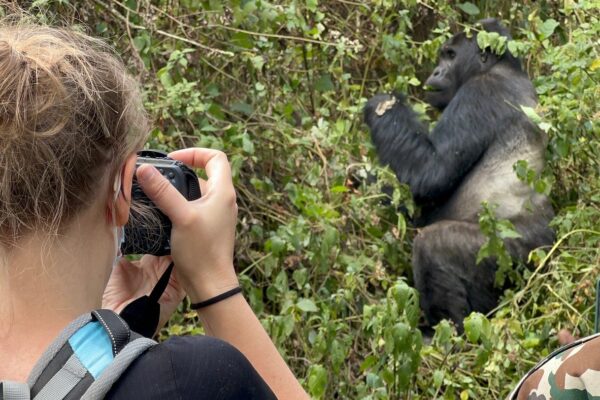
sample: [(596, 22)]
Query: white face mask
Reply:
[(119, 231)]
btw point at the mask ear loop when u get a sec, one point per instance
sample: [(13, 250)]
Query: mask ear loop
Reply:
[(119, 231)]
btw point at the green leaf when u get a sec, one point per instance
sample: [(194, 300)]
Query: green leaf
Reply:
[(165, 77), (562, 147), (438, 378), (247, 144), (400, 293), (300, 276), (469, 8), (312, 4), (368, 363), (414, 81), (324, 83), (39, 3), (317, 380), (509, 234), (258, 62), (243, 40), (492, 41), (443, 333), (401, 334), (547, 28), (473, 327), (276, 245), (531, 114), (531, 341), (242, 107), (545, 126), (339, 189), (388, 376), (307, 305), (101, 27), (541, 186), (141, 42)]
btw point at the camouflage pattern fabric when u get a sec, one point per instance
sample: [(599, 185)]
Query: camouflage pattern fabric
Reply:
[(569, 373)]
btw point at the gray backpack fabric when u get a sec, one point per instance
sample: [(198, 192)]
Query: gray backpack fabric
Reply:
[(61, 372)]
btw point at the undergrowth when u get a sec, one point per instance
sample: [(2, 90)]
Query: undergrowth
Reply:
[(323, 259)]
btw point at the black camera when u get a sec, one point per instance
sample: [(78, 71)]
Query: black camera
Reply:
[(148, 230)]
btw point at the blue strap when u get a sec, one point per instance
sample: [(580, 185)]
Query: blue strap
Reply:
[(93, 347)]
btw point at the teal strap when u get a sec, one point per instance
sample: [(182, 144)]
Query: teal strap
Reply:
[(93, 347)]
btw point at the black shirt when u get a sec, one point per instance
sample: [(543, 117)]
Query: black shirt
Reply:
[(191, 367)]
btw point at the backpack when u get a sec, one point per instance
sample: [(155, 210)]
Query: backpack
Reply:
[(554, 361), (83, 362)]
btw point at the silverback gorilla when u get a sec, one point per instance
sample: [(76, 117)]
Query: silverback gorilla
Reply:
[(466, 159)]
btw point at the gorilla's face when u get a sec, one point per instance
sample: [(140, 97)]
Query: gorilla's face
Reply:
[(459, 60), (441, 86)]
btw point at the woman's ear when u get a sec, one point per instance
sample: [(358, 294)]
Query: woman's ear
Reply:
[(123, 201)]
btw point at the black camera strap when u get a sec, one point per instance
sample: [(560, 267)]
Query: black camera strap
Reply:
[(142, 315)]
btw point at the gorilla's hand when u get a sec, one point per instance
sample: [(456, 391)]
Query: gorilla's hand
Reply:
[(380, 104)]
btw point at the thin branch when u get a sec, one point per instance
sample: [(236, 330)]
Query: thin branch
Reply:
[(160, 31), (195, 43), (273, 35)]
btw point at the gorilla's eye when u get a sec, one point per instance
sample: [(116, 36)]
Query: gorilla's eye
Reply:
[(450, 54)]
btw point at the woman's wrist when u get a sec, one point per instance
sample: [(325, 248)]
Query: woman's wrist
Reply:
[(205, 288), (223, 313)]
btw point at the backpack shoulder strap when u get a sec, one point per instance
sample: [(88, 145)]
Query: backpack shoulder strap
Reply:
[(130, 352), (14, 391), (49, 356), (83, 362)]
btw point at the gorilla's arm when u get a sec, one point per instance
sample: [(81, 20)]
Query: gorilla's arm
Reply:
[(433, 164)]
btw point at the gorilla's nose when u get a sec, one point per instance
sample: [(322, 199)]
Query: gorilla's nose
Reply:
[(438, 72)]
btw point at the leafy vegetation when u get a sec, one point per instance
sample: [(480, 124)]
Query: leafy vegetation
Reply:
[(325, 262)]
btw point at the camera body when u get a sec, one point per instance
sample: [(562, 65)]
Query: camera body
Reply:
[(149, 231)]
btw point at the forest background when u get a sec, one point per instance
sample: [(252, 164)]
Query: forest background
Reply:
[(323, 259)]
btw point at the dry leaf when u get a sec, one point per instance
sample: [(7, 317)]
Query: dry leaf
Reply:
[(384, 106)]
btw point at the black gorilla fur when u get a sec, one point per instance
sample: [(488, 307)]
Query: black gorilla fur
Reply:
[(466, 159)]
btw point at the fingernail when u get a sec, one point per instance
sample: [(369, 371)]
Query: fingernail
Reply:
[(145, 172)]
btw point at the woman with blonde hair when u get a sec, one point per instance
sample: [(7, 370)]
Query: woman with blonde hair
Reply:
[(71, 122)]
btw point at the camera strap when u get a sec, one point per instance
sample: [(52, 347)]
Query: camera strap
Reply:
[(143, 314)]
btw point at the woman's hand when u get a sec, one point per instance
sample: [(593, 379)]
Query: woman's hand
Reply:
[(203, 233), (202, 242), (130, 280)]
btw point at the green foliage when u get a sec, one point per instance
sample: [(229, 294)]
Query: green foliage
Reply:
[(493, 41), (540, 183), (496, 232), (390, 369), (325, 263)]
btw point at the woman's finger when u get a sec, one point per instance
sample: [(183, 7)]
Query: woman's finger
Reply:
[(125, 263), (196, 157), (217, 169), (162, 193), (214, 162), (203, 186)]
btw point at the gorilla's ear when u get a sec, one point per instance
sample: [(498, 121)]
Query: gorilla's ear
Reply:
[(493, 25)]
